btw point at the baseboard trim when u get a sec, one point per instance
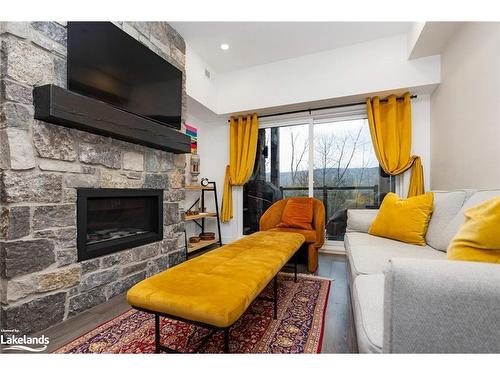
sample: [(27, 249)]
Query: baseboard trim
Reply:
[(332, 251), (228, 240), (333, 248)]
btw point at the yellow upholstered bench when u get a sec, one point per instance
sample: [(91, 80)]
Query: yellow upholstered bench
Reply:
[(215, 289)]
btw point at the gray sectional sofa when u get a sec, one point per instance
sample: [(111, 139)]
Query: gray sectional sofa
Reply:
[(411, 299)]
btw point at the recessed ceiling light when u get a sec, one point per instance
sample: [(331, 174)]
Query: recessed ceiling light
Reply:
[(224, 46)]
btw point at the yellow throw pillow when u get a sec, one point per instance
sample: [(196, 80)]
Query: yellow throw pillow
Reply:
[(404, 220), (478, 239)]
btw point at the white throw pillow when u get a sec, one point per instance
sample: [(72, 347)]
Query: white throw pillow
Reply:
[(360, 219), (446, 206)]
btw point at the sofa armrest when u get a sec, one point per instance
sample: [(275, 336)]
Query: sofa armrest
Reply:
[(441, 306), (359, 220)]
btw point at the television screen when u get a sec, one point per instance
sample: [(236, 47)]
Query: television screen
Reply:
[(107, 64)]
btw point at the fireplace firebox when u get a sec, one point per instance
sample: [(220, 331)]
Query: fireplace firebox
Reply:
[(110, 220)]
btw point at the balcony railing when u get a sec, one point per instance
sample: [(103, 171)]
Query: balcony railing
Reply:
[(325, 189), (336, 205)]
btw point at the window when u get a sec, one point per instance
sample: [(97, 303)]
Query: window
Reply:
[(328, 157), (281, 169)]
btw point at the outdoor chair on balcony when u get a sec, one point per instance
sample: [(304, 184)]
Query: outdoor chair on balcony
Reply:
[(314, 238)]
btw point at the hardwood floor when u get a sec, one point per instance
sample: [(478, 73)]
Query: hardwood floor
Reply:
[(338, 337), (73, 328)]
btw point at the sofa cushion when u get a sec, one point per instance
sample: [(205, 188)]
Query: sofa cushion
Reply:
[(310, 235), (477, 197), (446, 206), (359, 220), (369, 254), (368, 303)]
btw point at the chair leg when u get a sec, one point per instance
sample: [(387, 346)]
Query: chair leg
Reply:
[(226, 340), (157, 333), (312, 258), (275, 299)]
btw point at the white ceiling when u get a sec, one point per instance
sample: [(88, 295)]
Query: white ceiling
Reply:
[(255, 43)]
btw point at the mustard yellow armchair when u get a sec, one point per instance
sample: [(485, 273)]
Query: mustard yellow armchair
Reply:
[(314, 238)]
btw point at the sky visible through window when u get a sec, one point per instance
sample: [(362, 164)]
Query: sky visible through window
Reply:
[(328, 141)]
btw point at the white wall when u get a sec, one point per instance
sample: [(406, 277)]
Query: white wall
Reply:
[(198, 85), (213, 148), (361, 69), (465, 111)]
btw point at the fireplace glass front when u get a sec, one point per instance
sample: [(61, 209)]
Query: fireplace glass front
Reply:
[(110, 220)]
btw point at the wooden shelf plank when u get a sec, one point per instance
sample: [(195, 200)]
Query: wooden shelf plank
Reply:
[(198, 187), (201, 216), (200, 245)]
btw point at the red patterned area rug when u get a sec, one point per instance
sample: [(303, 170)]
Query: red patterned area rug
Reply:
[(298, 329)]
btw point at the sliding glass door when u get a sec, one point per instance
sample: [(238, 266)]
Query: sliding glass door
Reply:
[(328, 158), (346, 171)]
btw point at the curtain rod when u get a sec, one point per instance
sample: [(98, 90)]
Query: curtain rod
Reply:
[(321, 108)]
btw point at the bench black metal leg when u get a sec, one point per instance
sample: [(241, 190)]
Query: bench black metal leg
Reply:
[(157, 333), (275, 315), (226, 340), (295, 268)]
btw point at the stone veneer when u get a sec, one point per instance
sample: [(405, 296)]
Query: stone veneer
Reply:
[(41, 165)]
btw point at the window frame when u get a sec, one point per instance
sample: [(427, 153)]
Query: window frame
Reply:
[(338, 114), (332, 115)]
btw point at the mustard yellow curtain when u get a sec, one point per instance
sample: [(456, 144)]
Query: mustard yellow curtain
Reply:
[(243, 134), (390, 128)]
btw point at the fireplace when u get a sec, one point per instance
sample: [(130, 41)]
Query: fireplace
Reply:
[(110, 220)]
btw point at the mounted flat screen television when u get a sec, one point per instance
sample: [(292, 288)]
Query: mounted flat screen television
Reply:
[(107, 64)]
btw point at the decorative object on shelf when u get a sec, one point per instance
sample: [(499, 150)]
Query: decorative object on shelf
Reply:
[(206, 236), (194, 239), (194, 168), (197, 214), (194, 209)]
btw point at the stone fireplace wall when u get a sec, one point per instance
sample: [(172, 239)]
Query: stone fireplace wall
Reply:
[(41, 165)]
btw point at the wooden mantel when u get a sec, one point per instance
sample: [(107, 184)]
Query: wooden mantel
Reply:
[(62, 107)]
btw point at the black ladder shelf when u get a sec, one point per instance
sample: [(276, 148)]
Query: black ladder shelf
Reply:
[(199, 219)]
